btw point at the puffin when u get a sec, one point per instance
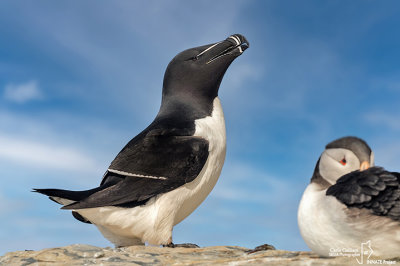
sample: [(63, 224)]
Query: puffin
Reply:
[(350, 204)]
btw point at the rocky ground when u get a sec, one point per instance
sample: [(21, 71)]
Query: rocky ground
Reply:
[(140, 255)]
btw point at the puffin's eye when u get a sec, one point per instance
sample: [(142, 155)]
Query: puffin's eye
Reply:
[(343, 161)]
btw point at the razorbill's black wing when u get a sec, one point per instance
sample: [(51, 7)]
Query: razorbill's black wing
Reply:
[(374, 189), (149, 165)]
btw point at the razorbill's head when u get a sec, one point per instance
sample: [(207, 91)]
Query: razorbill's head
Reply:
[(195, 74), (341, 157)]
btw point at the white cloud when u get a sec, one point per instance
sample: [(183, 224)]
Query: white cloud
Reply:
[(244, 183), (391, 121), (43, 155), (22, 93)]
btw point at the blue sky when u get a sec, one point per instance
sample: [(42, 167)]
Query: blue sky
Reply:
[(78, 79)]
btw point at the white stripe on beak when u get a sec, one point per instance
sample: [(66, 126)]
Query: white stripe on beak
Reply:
[(237, 41), (235, 38), (209, 48)]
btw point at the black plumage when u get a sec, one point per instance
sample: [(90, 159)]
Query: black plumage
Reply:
[(374, 189)]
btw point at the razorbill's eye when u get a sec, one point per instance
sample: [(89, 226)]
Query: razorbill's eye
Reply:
[(193, 58), (343, 161)]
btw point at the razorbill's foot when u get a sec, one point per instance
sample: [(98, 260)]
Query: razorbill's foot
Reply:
[(261, 248), (184, 245)]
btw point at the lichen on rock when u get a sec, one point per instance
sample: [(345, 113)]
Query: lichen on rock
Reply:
[(142, 255)]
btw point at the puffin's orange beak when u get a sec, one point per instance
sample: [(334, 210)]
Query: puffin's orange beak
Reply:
[(364, 166)]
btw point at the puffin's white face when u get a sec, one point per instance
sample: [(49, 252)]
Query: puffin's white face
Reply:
[(334, 163)]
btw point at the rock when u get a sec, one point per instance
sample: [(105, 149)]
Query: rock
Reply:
[(141, 255)]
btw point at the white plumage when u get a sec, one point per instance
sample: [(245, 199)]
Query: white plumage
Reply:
[(326, 225)]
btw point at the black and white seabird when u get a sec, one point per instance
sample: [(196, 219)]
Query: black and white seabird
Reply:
[(350, 202), (163, 174)]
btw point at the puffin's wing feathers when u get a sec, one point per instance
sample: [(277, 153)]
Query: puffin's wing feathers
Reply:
[(156, 165), (374, 189)]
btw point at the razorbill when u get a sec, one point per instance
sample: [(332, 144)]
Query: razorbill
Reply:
[(350, 202), (164, 173)]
